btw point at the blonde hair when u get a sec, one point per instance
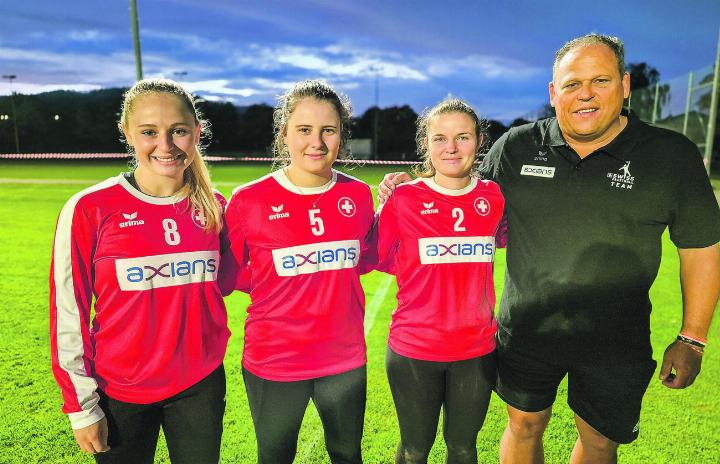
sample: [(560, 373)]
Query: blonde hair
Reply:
[(197, 186), (286, 104), (447, 106)]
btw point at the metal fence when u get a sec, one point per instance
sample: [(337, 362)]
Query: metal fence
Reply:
[(686, 104)]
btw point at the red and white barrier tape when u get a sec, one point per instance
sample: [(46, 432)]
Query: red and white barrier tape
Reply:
[(212, 158)]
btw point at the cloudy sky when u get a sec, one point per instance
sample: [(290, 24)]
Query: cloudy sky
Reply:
[(494, 53)]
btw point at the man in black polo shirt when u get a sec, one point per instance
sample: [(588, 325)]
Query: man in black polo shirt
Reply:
[(589, 194)]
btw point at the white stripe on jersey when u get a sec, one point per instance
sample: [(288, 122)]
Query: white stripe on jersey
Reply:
[(281, 177), (430, 182), (69, 333), (148, 272), (448, 250), (316, 257), (171, 200)]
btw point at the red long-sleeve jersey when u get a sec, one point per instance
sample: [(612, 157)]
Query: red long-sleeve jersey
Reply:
[(159, 322), (306, 249), (440, 244)]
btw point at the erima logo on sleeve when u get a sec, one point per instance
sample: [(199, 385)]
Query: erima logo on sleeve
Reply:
[(278, 212), (429, 208), (448, 250), (131, 220), (166, 270), (316, 257), (538, 171)]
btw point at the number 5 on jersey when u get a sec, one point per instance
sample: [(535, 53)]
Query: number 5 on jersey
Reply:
[(316, 222)]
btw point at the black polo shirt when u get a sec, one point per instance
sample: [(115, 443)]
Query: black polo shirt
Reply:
[(584, 235)]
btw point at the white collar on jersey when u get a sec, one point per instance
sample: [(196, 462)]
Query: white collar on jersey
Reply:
[(281, 177), (171, 200), (430, 182)]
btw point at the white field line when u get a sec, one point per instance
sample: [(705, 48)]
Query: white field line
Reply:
[(9, 180), (371, 310)]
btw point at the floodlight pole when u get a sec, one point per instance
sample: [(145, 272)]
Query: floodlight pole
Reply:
[(710, 138), (136, 38), (376, 118), (11, 78)]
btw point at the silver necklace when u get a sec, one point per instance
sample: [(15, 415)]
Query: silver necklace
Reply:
[(305, 193)]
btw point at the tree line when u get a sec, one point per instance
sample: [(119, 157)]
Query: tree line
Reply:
[(86, 122)]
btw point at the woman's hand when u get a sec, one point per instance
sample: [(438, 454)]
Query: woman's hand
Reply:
[(93, 438)]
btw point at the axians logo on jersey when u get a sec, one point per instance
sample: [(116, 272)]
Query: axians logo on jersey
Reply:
[(429, 208), (624, 180), (278, 212), (448, 250), (199, 219), (316, 257), (482, 206), (346, 207), (131, 220), (168, 270)]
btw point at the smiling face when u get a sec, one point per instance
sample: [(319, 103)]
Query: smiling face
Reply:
[(587, 92), (312, 136), (164, 134), (452, 147)]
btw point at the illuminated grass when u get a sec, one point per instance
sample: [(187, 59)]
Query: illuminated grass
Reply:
[(676, 426)]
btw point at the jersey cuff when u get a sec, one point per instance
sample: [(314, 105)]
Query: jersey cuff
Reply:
[(81, 419)]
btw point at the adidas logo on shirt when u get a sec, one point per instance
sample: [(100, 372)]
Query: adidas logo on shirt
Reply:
[(131, 220), (278, 212)]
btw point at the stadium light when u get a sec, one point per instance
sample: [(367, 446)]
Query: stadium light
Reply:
[(11, 78)]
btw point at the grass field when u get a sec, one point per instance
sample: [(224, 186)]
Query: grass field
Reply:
[(676, 426)]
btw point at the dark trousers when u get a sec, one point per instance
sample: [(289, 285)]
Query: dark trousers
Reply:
[(421, 388), (192, 422), (278, 408)]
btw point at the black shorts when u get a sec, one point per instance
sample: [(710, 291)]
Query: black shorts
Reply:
[(605, 386)]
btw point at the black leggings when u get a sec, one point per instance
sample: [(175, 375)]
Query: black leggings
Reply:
[(192, 422), (278, 408), (421, 388)]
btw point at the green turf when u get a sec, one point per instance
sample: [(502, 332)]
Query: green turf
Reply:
[(676, 426)]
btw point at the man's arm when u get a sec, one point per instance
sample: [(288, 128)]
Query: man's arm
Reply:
[(700, 281)]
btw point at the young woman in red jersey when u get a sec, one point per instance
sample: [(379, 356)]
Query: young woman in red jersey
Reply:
[(145, 245), (302, 229), (437, 235)]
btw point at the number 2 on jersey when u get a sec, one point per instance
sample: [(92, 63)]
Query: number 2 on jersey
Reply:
[(172, 236), (459, 215), (316, 223)]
